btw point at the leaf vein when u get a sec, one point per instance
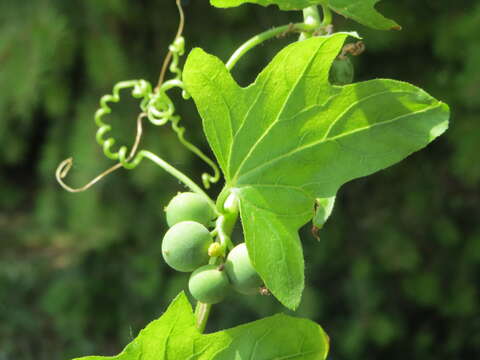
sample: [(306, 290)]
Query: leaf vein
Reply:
[(290, 153), (356, 104), (289, 95)]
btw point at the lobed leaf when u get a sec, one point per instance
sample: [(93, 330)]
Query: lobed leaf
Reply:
[(174, 336), (363, 12), (291, 138)]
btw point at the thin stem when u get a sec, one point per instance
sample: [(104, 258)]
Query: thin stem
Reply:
[(169, 56), (224, 228), (311, 17), (225, 224), (327, 15), (202, 312), (264, 36), (65, 166), (176, 173)]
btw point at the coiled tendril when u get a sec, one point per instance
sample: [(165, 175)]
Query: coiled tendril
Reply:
[(141, 90), (156, 105)]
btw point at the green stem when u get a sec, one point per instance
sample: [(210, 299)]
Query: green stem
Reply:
[(311, 17), (230, 216), (175, 173), (202, 312), (225, 225), (327, 15), (264, 36), (224, 228)]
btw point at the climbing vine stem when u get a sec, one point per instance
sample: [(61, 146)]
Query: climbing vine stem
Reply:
[(202, 312), (327, 16), (176, 173), (267, 35), (311, 17), (223, 230)]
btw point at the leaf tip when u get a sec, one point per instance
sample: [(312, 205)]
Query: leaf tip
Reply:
[(442, 125), (196, 50), (292, 301), (445, 107), (181, 300)]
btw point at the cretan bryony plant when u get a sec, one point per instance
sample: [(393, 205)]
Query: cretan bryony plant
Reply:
[(284, 146)]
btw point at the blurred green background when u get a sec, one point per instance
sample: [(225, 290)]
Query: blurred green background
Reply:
[(396, 273)]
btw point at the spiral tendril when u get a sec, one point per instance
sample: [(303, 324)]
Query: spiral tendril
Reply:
[(156, 105), (207, 179), (141, 89), (66, 165), (181, 25)]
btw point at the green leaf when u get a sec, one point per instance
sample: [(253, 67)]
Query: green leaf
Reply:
[(170, 337), (174, 336), (364, 12), (275, 337), (291, 138), (282, 4)]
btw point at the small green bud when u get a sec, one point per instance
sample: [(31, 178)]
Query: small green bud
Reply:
[(341, 72), (215, 250)]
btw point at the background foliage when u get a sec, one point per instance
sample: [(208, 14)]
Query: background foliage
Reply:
[(396, 272)]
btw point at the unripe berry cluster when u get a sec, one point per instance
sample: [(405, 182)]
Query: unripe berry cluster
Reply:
[(186, 245)]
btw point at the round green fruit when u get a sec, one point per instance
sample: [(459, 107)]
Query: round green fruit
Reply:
[(240, 271), (185, 246), (342, 72), (209, 284), (189, 206)]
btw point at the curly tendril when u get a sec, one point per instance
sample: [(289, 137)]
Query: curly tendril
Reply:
[(158, 107), (141, 90), (207, 179), (168, 58), (65, 166)]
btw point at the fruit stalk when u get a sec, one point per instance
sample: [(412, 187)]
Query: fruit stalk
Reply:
[(266, 35), (225, 226), (176, 173), (202, 312), (327, 15), (311, 17)]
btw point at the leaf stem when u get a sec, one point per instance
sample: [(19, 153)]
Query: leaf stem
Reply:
[(327, 15), (202, 312), (225, 224), (224, 228), (175, 173), (266, 35), (311, 17)]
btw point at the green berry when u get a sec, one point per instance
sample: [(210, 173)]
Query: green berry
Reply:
[(342, 72), (209, 284), (240, 271), (189, 207), (185, 246)]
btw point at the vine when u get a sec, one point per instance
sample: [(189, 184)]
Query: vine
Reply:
[(285, 144), (157, 106)]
